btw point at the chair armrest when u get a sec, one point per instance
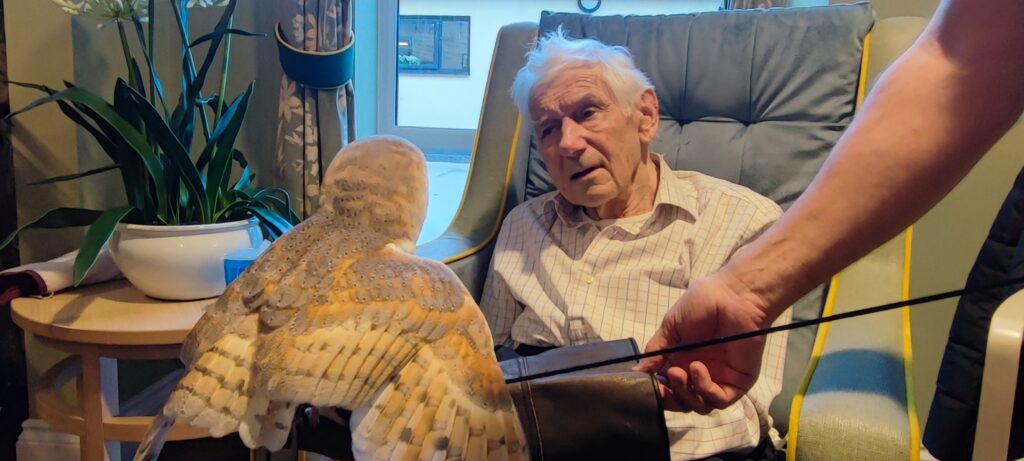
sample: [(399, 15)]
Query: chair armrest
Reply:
[(498, 149), (855, 402), (999, 379), (467, 255)]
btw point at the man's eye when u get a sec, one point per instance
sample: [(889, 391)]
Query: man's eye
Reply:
[(588, 113), (544, 132)]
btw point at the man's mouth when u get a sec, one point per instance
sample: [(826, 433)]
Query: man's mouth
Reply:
[(580, 174)]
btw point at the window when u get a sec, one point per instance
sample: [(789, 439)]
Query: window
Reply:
[(429, 91), (433, 45)]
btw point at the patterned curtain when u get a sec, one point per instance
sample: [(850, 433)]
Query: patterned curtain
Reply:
[(312, 124), (750, 4)]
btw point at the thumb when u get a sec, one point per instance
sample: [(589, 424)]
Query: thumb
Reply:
[(656, 363)]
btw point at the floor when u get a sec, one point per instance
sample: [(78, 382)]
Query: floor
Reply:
[(447, 181)]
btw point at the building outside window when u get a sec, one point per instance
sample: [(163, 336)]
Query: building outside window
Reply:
[(433, 44)]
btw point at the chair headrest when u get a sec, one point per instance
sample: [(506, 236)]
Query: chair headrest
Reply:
[(756, 97)]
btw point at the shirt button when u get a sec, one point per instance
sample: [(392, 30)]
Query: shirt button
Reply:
[(590, 280)]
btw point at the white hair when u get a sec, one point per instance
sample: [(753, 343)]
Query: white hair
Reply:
[(555, 53)]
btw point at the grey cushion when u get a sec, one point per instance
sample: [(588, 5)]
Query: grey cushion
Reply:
[(756, 97)]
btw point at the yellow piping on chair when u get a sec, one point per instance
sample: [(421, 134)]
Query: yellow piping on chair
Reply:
[(504, 197), (819, 345), (822, 335), (908, 354)]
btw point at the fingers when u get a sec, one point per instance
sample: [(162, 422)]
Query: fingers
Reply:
[(667, 397), (683, 392), (695, 390), (650, 364), (711, 393), (656, 363)]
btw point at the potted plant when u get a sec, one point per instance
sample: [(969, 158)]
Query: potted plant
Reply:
[(168, 186)]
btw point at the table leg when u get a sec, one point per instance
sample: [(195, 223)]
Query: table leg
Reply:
[(98, 399)]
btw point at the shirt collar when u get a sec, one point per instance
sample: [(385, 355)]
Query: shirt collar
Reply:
[(672, 192)]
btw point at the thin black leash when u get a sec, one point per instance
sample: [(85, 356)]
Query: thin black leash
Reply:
[(789, 326)]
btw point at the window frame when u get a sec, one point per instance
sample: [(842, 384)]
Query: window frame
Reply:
[(427, 139), (437, 67)]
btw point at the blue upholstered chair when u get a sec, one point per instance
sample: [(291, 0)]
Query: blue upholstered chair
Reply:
[(756, 97)]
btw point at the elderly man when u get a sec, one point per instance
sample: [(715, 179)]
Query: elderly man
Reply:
[(605, 255)]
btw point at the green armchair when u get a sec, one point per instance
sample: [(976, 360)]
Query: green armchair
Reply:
[(756, 97)]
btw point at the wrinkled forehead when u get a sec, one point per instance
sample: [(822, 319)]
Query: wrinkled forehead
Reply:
[(559, 92)]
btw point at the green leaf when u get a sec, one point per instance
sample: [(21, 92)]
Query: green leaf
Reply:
[(183, 121), (97, 235), (57, 218), (282, 208), (32, 86), (242, 162), (221, 33), (124, 105), (69, 177), (245, 180), (70, 112), (211, 53), (211, 100), (97, 134), (283, 204), (180, 197), (136, 74), (234, 206), (154, 79), (121, 127), (133, 171), (222, 141), (173, 150), (270, 218), (77, 117)]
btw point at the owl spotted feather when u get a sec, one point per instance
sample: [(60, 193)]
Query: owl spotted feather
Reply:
[(340, 313)]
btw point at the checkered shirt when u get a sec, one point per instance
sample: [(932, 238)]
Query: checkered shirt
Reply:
[(559, 278)]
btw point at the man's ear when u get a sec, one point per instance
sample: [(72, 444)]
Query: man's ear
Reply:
[(649, 115)]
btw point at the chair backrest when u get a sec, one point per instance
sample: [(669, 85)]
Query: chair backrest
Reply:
[(756, 97)]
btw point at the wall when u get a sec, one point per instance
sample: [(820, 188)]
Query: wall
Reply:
[(43, 142), (453, 101)]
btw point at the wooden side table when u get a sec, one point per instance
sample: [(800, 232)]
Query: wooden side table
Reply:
[(98, 325)]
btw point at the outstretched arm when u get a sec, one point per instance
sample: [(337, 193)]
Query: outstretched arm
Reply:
[(928, 120)]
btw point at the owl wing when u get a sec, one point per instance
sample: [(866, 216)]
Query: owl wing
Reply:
[(216, 392), (272, 283), (399, 341)]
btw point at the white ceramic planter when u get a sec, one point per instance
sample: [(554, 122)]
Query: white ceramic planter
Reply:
[(180, 262)]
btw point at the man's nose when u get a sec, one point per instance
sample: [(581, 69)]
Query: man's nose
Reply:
[(572, 142)]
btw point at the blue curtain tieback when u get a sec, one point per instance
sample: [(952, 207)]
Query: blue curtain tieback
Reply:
[(321, 70)]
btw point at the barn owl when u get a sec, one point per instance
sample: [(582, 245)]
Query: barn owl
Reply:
[(339, 312)]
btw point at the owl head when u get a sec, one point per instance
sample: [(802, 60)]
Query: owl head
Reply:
[(378, 183)]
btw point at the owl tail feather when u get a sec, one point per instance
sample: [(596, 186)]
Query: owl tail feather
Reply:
[(422, 415), (155, 437)]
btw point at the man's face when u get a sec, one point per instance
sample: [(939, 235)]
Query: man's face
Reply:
[(591, 148)]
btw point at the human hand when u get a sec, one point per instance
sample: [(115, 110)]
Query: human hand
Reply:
[(711, 377)]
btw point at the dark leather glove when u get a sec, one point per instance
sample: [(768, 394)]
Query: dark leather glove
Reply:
[(607, 413)]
